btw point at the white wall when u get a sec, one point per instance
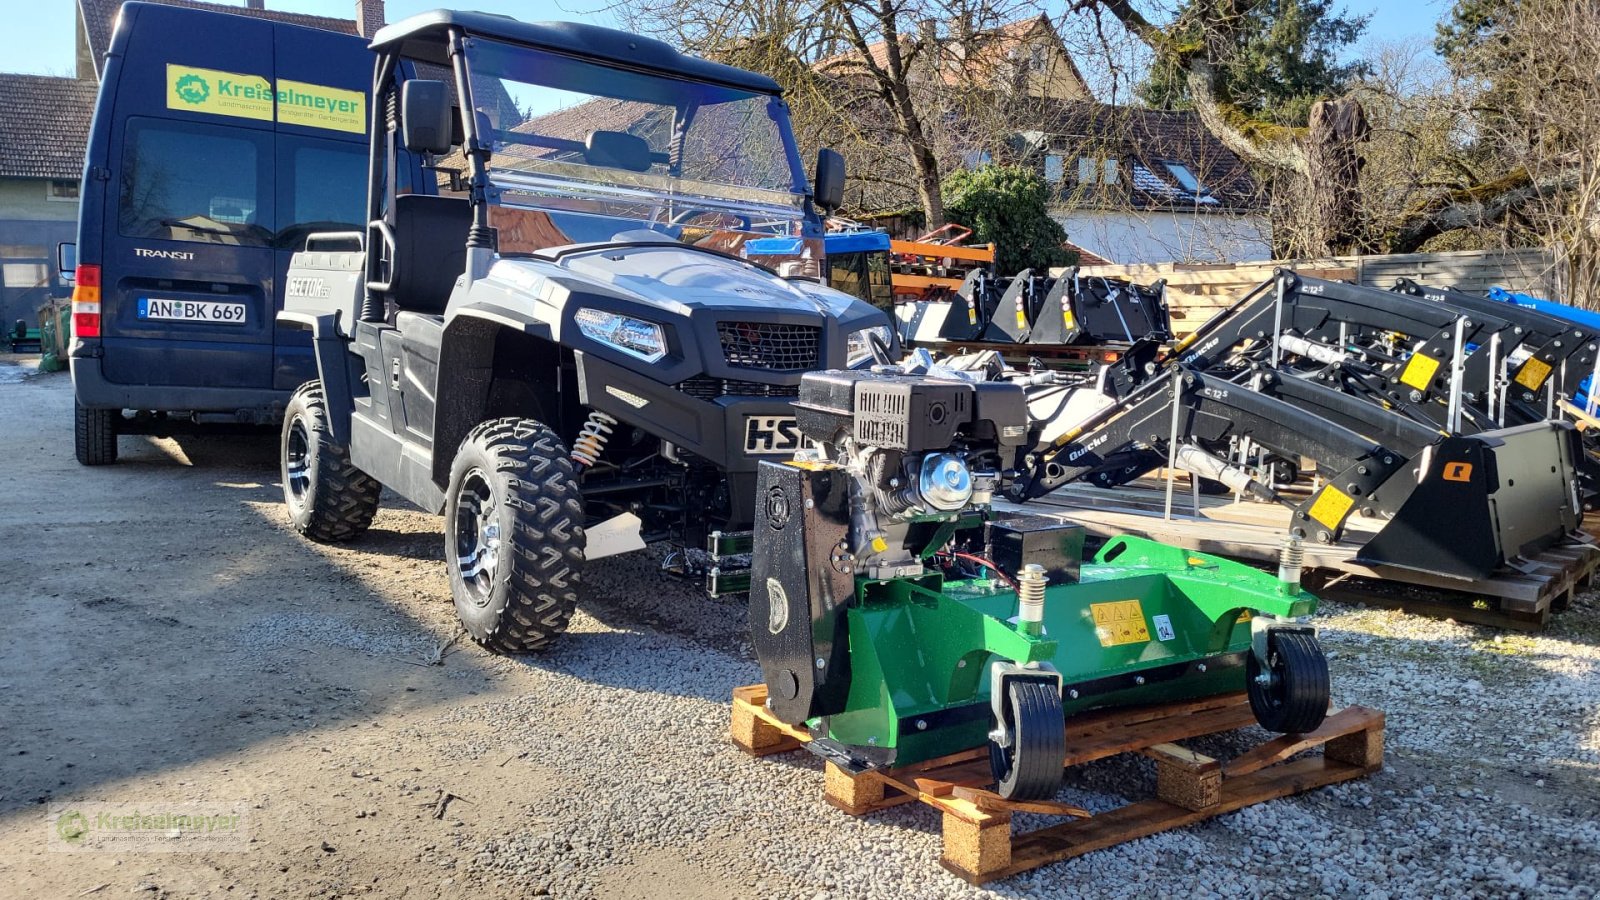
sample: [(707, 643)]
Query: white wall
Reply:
[(1134, 236)]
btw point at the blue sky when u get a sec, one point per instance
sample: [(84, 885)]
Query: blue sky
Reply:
[(43, 42)]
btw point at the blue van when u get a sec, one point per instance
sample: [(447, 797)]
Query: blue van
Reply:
[(219, 143)]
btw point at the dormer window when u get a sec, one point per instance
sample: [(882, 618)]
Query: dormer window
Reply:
[(1185, 178)]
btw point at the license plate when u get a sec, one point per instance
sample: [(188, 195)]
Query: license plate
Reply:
[(209, 311), (772, 434)]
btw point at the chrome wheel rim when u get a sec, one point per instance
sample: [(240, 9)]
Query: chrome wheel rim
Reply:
[(478, 540), (297, 463)]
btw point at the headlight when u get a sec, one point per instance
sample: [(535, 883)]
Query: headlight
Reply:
[(859, 344), (636, 337)]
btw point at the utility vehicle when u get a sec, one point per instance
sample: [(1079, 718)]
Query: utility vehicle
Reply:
[(565, 351)]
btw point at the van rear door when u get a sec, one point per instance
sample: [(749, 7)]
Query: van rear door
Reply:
[(188, 266)]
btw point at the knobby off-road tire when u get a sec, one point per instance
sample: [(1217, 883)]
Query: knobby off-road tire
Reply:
[(514, 535), (329, 499), (94, 434)]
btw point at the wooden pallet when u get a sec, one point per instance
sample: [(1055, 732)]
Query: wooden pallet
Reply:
[(1521, 596), (979, 842)]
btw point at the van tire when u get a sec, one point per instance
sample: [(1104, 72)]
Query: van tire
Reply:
[(94, 434), (329, 499), (514, 535)]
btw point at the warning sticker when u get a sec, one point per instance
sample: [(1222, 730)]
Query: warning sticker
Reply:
[(1419, 371), (1119, 622), (1331, 506), (1163, 627), (1533, 373), (1022, 314)]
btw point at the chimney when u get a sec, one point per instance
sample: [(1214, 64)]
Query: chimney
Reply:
[(369, 17), (255, 4), (928, 31)]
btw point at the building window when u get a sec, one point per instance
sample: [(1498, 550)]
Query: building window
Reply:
[(64, 189), (1096, 171), (1054, 169), (1038, 59), (1184, 177), (978, 158)]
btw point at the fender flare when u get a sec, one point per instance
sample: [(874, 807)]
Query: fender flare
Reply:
[(334, 359), (466, 369)]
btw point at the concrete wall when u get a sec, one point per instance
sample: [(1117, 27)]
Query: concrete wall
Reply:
[(1133, 236), (31, 225)]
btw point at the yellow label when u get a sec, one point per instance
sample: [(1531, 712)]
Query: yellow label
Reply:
[(1419, 371), (253, 97), (1067, 321), (1119, 622), (1533, 373), (1331, 506), (317, 106), (1022, 315), (972, 315), (219, 93)]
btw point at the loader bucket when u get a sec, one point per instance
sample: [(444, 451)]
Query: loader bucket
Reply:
[(1056, 321), (969, 308), (1484, 499), (1012, 318)]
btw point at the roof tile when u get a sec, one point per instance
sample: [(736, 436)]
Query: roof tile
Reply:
[(44, 125)]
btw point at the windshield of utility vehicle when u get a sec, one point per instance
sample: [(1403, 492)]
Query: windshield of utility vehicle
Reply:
[(584, 152)]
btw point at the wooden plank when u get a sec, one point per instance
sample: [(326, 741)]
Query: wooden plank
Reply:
[(1142, 819), (1166, 730), (1346, 721), (992, 802)]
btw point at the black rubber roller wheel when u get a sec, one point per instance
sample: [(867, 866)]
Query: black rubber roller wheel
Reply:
[(1293, 697), (1030, 767)]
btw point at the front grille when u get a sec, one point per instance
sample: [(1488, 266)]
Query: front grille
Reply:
[(704, 387), (767, 345)]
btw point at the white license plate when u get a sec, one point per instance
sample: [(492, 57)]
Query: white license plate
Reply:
[(772, 434), (193, 311)]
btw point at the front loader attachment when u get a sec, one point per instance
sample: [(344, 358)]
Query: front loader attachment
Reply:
[(1484, 499)]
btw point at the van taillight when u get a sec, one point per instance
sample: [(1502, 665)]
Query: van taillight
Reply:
[(86, 301)]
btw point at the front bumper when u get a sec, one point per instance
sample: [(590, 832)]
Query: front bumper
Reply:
[(710, 429)]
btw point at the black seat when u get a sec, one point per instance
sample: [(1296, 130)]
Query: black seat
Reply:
[(431, 242)]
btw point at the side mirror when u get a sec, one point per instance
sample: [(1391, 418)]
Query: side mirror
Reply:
[(425, 116), (828, 192), (67, 259)]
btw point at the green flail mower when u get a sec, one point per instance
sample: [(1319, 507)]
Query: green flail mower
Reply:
[(899, 620)]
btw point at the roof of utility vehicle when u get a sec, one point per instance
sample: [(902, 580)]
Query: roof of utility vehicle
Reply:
[(424, 37)]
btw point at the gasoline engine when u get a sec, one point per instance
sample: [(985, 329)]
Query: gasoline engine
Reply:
[(900, 619)]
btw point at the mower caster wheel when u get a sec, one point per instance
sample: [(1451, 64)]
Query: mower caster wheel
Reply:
[(1290, 695), (1029, 767)]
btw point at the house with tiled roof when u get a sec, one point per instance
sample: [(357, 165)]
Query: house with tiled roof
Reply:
[(1023, 57), (44, 126), (1142, 185), (1129, 184)]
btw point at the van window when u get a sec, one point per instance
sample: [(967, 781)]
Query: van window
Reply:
[(322, 186), (200, 183)]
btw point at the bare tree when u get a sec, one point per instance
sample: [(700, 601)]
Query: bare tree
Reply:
[(905, 88)]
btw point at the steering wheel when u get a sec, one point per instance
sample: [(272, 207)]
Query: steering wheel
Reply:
[(880, 349)]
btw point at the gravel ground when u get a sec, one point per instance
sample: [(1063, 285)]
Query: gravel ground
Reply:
[(168, 636)]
